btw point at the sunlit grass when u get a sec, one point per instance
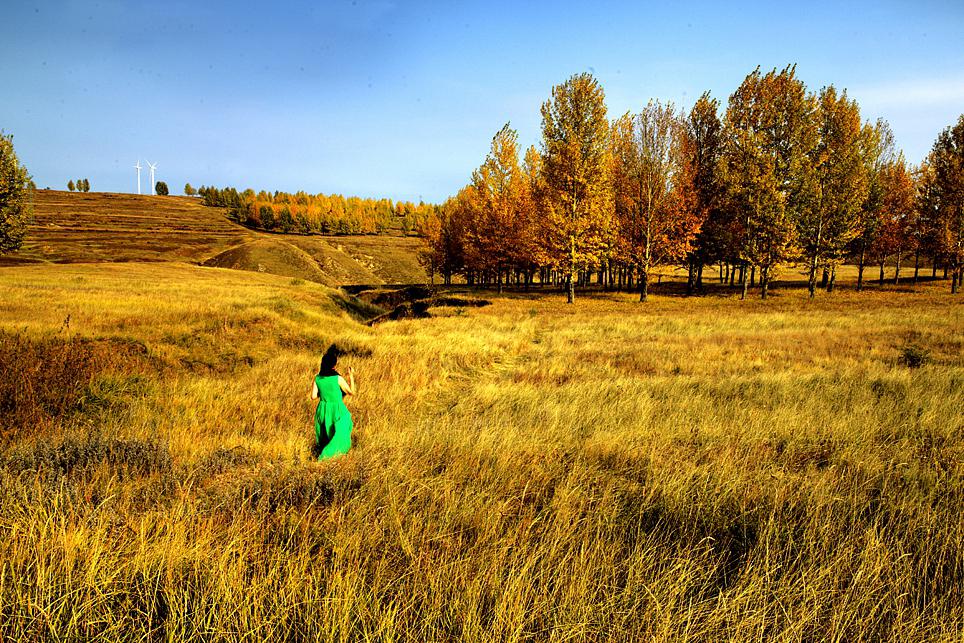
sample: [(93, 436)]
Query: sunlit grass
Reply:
[(688, 469)]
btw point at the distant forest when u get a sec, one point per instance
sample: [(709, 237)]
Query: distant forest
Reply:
[(303, 213)]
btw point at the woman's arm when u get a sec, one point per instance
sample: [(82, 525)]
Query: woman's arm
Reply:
[(348, 386), (314, 390)]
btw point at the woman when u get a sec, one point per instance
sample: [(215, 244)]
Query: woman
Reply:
[(332, 420)]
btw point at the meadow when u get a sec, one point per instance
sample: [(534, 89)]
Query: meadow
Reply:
[(689, 469)]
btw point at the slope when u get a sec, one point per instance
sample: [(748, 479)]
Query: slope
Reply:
[(104, 227)]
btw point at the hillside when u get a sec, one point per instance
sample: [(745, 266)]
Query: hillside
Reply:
[(73, 227)]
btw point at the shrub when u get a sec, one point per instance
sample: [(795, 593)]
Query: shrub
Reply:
[(45, 380), (914, 356)]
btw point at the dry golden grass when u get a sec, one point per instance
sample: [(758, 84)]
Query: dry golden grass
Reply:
[(688, 469)]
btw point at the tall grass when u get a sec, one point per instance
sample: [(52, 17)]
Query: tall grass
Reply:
[(701, 469)]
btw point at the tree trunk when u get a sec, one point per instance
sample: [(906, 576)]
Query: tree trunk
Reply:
[(881, 280), (699, 277), (897, 270), (812, 276), (643, 284), (860, 266), (916, 265), (812, 281), (722, 281), (752, 276), (764, 282), (743, 282), (833, 279), (498, 278), (571, 290)]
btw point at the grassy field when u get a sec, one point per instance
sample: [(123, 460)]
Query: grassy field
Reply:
[(73, 227), (697, 469)]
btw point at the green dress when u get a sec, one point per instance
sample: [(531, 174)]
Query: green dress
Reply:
[(332, 419)]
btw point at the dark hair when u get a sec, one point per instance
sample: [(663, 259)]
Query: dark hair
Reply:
[(328, 362)]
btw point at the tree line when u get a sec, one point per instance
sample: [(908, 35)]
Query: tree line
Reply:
[(782, 176), (81, 185), (303, 213)]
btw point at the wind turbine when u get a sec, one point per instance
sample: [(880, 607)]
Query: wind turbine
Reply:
[(138, 168), (153, 166)]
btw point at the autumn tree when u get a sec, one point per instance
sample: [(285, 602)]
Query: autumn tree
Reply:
[(768, 131), (877, 152), (575, 135), (706, 134), (829, 220), (899, 208), (920, 228), (653, 190), (445, 237), (70, 185), (947, 156), (500, 188), (189, 189), (896, 202), (926, 226), (530, 245), (15, 207)]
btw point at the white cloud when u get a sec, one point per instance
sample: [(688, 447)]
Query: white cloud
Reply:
[(918, 92)]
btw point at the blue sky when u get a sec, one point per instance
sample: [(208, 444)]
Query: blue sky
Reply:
[(401, 99)]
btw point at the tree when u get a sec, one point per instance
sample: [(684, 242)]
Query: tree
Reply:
[(877, 151), (765, 167), (70, 185), (285, 221), (575, 135), (85, 185), (898, 205), (926, 223), (530, 249), (828, 222), (713, 240), (161, 188), (653, 189), (501, 197), (919, 217), (947, 157), (189, 189), (15, 207), (445, 253)]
